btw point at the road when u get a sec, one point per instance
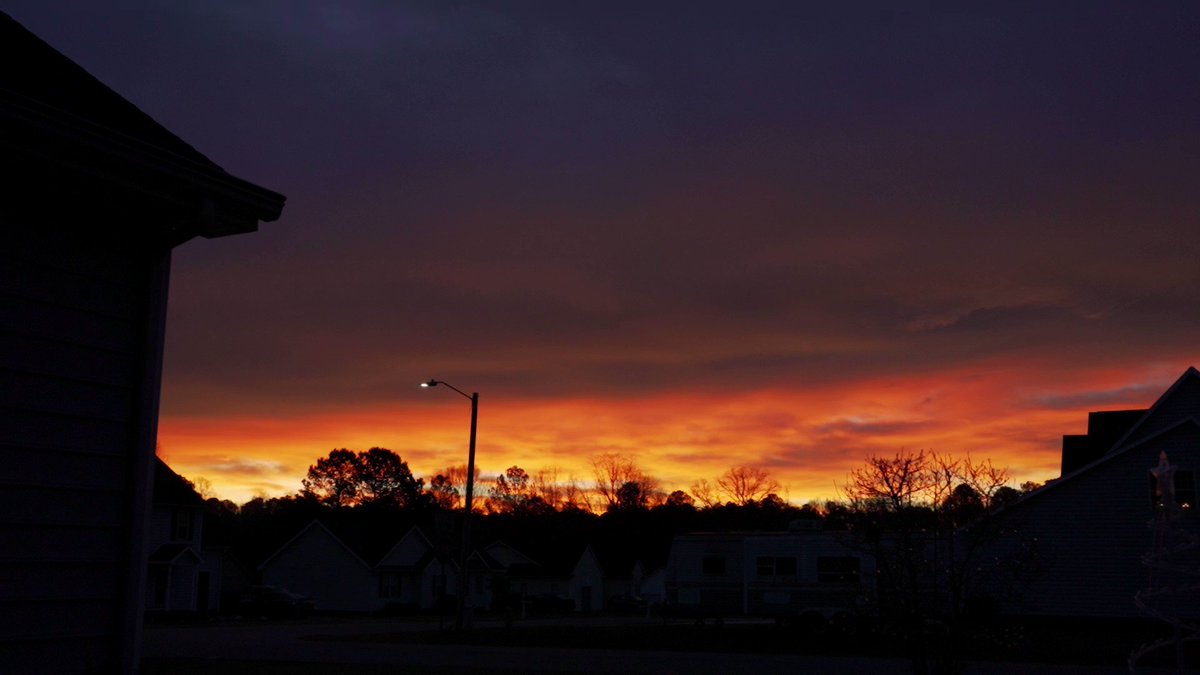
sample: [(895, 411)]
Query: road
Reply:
[(317, 641)]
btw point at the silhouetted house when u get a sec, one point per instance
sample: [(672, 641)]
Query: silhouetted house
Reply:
[(586, 587), (626, 579), (1079, 542), (494, 569), (175, 581), (342, 573), (781, 574), (96, 194)]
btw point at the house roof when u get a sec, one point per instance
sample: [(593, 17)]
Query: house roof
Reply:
[(1156, 421), (60, 123), (320, 527), (361, 542), (168, 554), (171, 489)]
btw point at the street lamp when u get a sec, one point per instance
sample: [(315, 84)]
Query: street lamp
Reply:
[(463, 578)]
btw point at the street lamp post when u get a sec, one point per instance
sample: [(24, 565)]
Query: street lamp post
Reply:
[(463, 577)]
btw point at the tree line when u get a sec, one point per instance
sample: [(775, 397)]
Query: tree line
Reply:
[(380, 477), (909, 483)]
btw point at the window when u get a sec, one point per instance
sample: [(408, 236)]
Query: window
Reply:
[(1185, 489), (776, 566), (765, 565), (712, 564), (181, 524), (837, 569), (389, 585)]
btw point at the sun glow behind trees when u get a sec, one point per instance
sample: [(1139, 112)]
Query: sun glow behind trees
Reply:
[(807, 439)]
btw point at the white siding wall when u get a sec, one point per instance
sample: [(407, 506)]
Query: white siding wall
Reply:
[(320, 567)]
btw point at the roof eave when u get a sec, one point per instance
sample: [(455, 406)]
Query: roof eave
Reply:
[(219, 203)]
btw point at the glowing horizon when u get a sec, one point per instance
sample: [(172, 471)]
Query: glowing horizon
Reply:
[(808, 440)]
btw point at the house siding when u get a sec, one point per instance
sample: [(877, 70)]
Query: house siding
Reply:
[(735, 586), (1089, 533), (73, 361), (318, 565)]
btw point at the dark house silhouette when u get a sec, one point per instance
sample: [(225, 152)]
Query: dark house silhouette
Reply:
[(96, 194), (1078, 546), (1104, 429), (176, 578)]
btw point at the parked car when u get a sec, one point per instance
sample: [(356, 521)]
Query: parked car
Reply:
[(548, 603), (274, 602)]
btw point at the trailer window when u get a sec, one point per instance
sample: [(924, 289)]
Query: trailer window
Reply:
[(712, 564), (776, 566), (837, 569)]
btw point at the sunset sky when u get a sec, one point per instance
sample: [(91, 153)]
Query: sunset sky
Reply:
[(705, 234)]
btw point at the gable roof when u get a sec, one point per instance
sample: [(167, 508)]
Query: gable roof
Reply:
[(1181, 400), (59, 119), (171, 489), (1173, 410), (320, 527), (427, 556), (59, 84), (168, 554)]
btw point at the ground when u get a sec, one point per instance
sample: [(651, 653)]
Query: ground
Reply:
[(566, 645)]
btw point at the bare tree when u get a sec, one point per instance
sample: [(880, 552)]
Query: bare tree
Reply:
[(894, 484), (545, 486), (574, 496), (926, 519), (612, 471), (744, 484), (985, 478), (704, 493), (203, 487), (454, 485)]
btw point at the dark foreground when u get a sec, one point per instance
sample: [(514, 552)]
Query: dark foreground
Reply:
[(628, 646)]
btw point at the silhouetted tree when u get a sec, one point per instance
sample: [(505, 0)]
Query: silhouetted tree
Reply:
[(544, 485), (705, 493), (443, 492), (377, 476), (1004, 496), (744, 484), (614, 471), (333, 480), (510, 492), (923, 516), (630, 496), (679, 498), (384, 478)]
